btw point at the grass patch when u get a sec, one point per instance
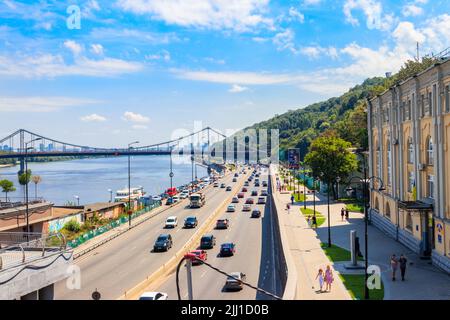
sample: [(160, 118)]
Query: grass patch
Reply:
[(299, 197), (335, 253), (355, 207), (310, 212), (355, 285)]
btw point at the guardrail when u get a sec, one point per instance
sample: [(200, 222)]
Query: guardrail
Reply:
[(21, 253)]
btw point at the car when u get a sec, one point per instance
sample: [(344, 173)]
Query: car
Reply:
[(257, 184), (257, 175), (228, 188), (208, 241), (247, 207), (201, 254), (222, 224), (254, 193), (234, 180), (227, 249), (264, 193), (234, 281), (170, 201), (256, 213), (240, 195), (171, 222), (246, 184), (222, 185), (249, 201), (216, 184), (264, 183), (236, 174), (235, 200), (184, 195), (261, 200), (175, 199), (163, 242), (190, 222), (154, 296), (250, 179), (244, 190), (156, 198), (231, 208)]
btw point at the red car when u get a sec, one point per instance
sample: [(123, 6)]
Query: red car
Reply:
[(249, 201), (240, 195), (201, 254), (244, 190)]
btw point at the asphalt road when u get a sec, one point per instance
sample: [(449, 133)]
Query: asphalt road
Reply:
[(125, 261), (255, 256)]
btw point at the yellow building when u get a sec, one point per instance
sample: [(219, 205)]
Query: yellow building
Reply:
[(409, 140)]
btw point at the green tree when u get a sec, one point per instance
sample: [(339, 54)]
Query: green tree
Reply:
[(330, 157), (7, 186), (24, 179), (36, 180)]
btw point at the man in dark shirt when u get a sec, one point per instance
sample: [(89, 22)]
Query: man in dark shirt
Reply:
[(402, 261)]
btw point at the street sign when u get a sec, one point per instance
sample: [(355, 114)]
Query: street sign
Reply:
[(96, 295), (171, 174), (294, 158)]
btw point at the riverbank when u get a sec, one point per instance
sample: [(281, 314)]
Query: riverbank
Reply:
[(7, 165)]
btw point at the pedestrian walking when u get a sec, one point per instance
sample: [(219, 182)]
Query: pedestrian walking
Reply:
[(321, 279), (314, 221), (342, 214), (394, 266), (309, 221), (288, 207), (292, 199), (402, 261), (346, 214), (328, 278)]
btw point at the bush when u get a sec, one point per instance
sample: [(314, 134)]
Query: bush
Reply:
[(72, 226)]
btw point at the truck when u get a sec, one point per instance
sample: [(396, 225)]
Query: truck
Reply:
[(197, 200)]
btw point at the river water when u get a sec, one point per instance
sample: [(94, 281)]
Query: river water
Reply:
[(90, 179)]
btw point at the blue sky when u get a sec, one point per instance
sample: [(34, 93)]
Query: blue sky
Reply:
[(144, 69)]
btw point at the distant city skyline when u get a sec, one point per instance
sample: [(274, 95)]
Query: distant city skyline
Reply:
[(140, 70)]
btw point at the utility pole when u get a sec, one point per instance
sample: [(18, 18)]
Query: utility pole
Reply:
[(189, 278), (129, 182), (26, 182)]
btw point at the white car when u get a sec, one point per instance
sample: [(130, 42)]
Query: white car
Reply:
[(175, 199), (184, 195), (231, 208), (154, 296), (171, 222), (156, 198)]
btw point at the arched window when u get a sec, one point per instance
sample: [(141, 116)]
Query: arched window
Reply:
[(389, 167), (388, 210), (410, 150), (408, 222), (430, 151), (377, 204)]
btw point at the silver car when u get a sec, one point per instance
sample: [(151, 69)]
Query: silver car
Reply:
[(234, 281)]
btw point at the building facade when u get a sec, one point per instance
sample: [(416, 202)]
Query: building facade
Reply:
[(409, 140)]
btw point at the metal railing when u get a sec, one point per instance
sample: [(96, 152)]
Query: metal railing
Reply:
[(38, 248)]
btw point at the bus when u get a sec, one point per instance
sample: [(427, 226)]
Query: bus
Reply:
[(197, 200)]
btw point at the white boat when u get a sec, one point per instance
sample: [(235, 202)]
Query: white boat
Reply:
[(123, 195)]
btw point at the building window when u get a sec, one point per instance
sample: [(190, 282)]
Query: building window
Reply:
[(389, 167), (408, 222), (428, 106), (433, 101), (430, 152), (430, 186), (377, 205), (388, 210), (447, 99), (411, 181), (410, 150)]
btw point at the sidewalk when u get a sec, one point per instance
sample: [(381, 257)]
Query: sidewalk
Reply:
[(307, 254), (423, 281)]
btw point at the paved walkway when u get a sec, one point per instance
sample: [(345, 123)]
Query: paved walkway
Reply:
[(307, 254), (423, 281)]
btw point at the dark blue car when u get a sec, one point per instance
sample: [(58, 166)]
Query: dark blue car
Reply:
[(190, 222), (227, 249)]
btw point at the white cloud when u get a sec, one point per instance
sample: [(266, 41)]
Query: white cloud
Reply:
[(411, 10), (73, 46), (216, 61), (315, 52), (235, 88), (373, 10), (285, 40), (311, 2), (295, 14), (237, 15), (139, 127), (93, 118), (41, 104), (97, 49), (51, 66), (135, 117), (163, 55)]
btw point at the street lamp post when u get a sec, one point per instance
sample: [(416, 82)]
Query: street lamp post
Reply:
[(26, 183), (328, 204), (110, 195), (364, 185), (78, 200), (129, 182), (304, 187)]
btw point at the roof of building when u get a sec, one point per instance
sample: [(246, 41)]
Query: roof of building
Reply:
[(415, 205), (98, 206)]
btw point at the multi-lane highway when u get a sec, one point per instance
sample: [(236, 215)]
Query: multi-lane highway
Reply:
[(255, 256), (125, 261)]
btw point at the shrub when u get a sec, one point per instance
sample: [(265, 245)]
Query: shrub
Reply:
[(72, 226)]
